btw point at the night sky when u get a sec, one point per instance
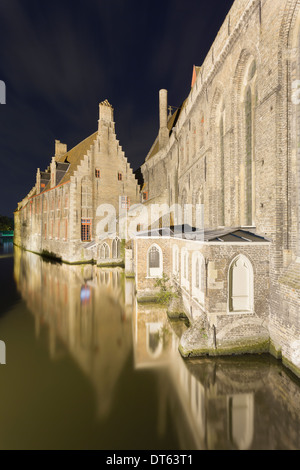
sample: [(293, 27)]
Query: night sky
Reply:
[(60, 58)]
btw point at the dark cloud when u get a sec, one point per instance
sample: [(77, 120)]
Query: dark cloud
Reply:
[(59, 59)]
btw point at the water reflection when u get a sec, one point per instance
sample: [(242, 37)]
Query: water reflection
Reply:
[(223, 403), (6, 247), (85, 312)]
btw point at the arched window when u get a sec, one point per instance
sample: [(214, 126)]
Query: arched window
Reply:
[(201, 133), (249, 112), (240, 285), (175, 260), (183, 198), (155, 261), (222, 171), (297, 103), (187, 149), (116, 248), (86, 197), (248, 162), (198, 276), (193, 140), (104, 251), (185, 268)]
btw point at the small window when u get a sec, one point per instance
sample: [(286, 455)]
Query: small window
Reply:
[(120, 176), (86, 230), (154, 257), (155, 268), (97, 173), (145, 196), (125, 202)]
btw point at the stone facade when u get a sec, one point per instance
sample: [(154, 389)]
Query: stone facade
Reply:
[(234, 147), (65, 213), (227, 313)]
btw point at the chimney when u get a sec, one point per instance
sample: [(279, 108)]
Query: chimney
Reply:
[(106, 112), (163, 119), (53, 173), (60, 148), (38, 181)]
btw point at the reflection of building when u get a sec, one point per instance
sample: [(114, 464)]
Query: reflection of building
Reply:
[(91, 314), (64, 214), (218, 401), (83, 308)]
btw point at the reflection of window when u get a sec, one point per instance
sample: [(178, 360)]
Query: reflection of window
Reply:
[(86, 230), (85, 294), (240, 409), (154, 340)]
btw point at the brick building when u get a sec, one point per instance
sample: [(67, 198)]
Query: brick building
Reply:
[(64, 213), (233, 146)]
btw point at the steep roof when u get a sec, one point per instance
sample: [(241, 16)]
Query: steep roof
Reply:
[(171, 123), (73, 157)]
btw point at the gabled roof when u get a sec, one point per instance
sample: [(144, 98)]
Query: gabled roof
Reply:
[(67, 163)]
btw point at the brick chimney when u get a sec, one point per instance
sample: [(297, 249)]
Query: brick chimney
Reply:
[(163, 119), (106, 112), (60, 148), (38, 181)]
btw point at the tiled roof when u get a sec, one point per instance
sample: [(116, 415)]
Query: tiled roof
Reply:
[(68, 162)]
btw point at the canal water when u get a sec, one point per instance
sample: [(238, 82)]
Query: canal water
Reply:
[(89, 368)]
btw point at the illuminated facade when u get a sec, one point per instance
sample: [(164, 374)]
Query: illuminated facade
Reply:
[(61, 213)]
